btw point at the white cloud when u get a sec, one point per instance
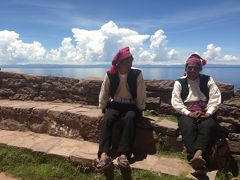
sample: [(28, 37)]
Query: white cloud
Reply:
[(99, 46), (230, 58), (173, 54), (213, 54), (13, 50)]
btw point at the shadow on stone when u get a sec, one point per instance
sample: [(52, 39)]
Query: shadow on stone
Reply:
[(144, 143)]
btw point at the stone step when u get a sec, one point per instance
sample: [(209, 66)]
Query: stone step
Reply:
[(78, 121), (85, 152), (6, 177)]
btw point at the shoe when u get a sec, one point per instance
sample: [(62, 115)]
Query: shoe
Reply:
[(123, 162), (104, 164), (200, 174), (125, 168), (197, 163)]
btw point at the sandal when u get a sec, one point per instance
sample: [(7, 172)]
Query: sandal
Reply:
[(200, 174), (124, 167), (197, 163), (105, 164), (123, 162)]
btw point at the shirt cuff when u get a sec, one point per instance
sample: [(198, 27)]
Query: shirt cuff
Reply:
[(186, 112), (211, 110)]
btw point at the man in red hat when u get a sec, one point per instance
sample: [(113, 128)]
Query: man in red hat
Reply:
[(122, 98), (196, 97)]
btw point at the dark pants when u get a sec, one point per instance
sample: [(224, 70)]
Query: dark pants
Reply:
[(118, 112), (197, 134)]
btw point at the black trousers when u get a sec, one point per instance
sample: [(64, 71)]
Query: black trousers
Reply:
[(118, 112), (197, 134)]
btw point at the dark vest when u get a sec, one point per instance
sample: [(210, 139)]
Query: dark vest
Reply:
[(203, 86), (131, 79)]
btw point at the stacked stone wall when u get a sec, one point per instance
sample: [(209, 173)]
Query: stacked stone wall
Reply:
[(17, 86)]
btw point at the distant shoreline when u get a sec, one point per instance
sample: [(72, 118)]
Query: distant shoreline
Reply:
[(107, 65)]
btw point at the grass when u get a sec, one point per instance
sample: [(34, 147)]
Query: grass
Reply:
[(162, 149), (35, 166), (161, 117), (26, 165), (171, 154), (148, 113), (172, 118)]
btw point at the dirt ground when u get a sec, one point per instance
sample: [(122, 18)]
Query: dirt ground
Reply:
[(5, 177)]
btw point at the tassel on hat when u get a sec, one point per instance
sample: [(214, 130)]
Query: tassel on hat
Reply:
[(195, 58)]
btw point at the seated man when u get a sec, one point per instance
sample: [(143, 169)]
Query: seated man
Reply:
[(122, 98), (196, 97)]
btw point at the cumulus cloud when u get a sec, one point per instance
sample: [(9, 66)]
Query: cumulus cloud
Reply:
[(98, 46), (213, 54), (230, 58), (13, 50)]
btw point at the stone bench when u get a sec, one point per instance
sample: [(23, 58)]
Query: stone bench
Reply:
[(79, 121)]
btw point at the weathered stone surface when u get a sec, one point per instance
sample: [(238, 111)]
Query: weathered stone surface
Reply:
[(6, 177), (234, 146), (58, 120), (6, 92), (237, 92), (13, 125), (47, 88), (48, 143), (59, 89), (153, 103), (231, 128), (65, 148), (235, 101), (86, 152), (39, 128), (166, 127)]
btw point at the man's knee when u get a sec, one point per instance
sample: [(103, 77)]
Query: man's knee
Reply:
[(186, 123), (209, 124), (131, 116)]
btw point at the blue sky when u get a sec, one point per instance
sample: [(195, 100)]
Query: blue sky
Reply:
[(86, 32)]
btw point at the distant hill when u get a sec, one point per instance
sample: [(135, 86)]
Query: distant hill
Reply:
[(105, 65)]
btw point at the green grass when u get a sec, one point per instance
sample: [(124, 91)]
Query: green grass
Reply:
[(148, 113), (171, 154), (172, 118), (33, 166), (162, 149), (26, 165), (161, 117)]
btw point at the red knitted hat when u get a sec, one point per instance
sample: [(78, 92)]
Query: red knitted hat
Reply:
[(195, 58), (123, 54)]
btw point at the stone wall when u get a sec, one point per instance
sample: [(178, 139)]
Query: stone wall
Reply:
[(16, 86)]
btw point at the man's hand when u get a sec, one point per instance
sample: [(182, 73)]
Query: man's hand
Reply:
[(206, 115), (195, 114)]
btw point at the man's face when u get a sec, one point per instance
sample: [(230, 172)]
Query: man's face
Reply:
[(125, 66), (192, 70)]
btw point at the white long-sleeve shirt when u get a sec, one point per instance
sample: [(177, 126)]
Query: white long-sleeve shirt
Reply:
[(123, 91), (195, 94)]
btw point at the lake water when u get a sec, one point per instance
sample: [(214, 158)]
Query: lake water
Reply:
[(221, 74)]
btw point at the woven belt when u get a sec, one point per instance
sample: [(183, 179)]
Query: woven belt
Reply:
[(196, 105), (125, 101)]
